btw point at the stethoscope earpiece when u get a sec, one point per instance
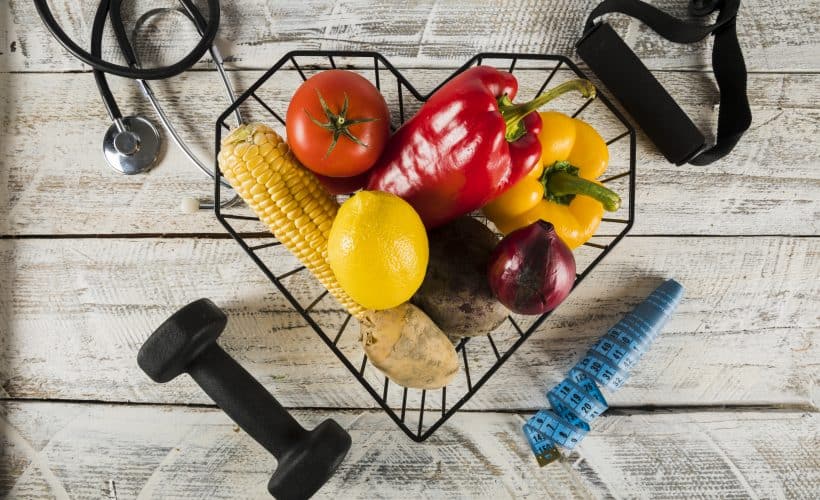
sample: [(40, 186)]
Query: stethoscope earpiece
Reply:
[(189, 205), (131, 145)]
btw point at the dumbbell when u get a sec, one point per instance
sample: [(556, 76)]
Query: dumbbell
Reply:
[(186, 342)]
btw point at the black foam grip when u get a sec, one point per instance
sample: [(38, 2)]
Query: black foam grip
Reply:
[(640, 93)]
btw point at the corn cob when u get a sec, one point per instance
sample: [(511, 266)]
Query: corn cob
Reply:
[(295, 206)]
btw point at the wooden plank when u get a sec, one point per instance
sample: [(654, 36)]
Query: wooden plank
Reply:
[(160, 452), (73, 313), (421, 33), (55, 181)]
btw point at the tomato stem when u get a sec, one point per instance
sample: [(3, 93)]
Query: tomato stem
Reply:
[(337, 123)]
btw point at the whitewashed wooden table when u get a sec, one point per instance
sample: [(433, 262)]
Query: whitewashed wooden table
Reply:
[(725, 405)]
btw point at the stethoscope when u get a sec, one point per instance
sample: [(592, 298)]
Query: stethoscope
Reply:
[(131, 144)]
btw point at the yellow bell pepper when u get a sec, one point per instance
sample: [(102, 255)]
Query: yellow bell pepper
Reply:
[(563, 190)]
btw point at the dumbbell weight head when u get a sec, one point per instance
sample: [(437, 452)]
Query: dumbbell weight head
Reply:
[(180, 339), (309, 465)]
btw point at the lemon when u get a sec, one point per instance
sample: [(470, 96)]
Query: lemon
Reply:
[(378, 250)]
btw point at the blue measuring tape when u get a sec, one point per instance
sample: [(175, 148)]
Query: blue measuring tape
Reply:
[(577, 401)]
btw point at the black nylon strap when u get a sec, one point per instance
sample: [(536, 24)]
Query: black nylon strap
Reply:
[(669, 27), (734, 116)]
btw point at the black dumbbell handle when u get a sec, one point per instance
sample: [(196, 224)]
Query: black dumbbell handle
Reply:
[(245, 400)]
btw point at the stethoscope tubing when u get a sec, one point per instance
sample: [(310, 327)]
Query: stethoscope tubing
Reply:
[(196, 18), (99, 64), (112, 8), (152, 98)]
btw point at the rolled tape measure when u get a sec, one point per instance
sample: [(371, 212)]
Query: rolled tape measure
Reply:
[(577, 400)]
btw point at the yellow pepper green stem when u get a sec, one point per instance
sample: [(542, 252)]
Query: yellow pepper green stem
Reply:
[(514, 113), (559, 185)]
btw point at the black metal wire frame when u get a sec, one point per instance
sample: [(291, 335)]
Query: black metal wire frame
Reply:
[(379, 63)]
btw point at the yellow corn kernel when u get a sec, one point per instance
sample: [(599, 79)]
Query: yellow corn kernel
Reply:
[(286, 197)]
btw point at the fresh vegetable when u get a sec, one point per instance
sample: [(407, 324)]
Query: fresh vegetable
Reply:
[(532, 271), (455, 292), (563, 191), (408, 347), (337, 123), (286, 197), (378, 249), (466, 145)]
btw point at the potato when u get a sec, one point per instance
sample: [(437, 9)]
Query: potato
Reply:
[(456, 293), (408, 347)]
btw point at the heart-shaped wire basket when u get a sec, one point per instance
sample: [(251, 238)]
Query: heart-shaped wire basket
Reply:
[(267, 100)]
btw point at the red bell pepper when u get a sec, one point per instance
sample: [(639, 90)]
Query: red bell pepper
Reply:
[(466, 145)]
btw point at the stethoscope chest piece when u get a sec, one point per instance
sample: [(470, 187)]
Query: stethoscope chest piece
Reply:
[(131, 145)]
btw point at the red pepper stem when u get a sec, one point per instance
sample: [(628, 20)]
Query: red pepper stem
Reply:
[(565, 183), (514, 113)]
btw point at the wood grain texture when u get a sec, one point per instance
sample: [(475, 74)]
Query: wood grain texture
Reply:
[(160, 452), (73, 313), (420, 33), (55, 181)]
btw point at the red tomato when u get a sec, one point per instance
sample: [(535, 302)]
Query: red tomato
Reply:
[(343, 185), (337, 123)]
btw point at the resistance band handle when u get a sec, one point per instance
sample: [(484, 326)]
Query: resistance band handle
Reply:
[(645, 98)]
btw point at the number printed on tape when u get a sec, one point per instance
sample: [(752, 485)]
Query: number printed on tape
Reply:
[(577, 400)]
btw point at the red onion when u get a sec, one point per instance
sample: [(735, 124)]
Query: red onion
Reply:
[(531, 270)]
